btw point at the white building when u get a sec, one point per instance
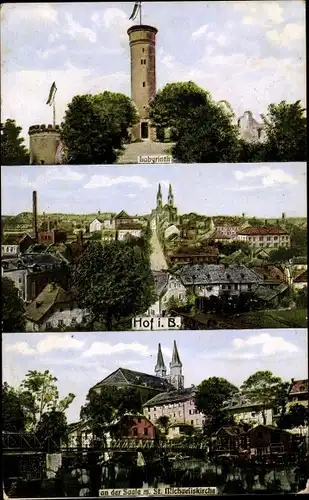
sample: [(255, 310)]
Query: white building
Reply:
[(268, 237), (245, 411), (96, 225)]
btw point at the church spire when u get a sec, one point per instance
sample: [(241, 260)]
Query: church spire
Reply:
[(159, 197), (160, 368), (176, 377), (175, 357), (170, 199)]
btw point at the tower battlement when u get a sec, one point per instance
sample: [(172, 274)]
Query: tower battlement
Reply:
[(43, 128)]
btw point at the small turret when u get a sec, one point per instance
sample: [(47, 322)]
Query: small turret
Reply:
[(170, 199), (159, 197)]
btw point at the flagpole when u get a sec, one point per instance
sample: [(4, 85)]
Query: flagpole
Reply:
[(54, 113)]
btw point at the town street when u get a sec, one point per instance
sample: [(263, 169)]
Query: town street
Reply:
[(157, 259)]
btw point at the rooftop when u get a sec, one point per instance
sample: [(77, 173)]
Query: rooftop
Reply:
[(131, 377), (171, 397), (51, 295), (269, 273), (208, 274), (299, 386), (262, 230), (301, 278), (161, 281), (14, 239)]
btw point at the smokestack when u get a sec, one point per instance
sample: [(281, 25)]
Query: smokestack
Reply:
[(35, 215), (48, 224)]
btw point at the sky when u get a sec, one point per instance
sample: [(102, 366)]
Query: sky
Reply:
[(250, 53), (261, 190), (80, 360)]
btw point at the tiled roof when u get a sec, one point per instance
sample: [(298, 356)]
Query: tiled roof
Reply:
[(161, 281), (13, 239), (265, 293), (263, 230), (50, 296), (122, 215), (269, 273), (208, 274), (239, 401), (171, 397), (99, 219), (137, 378), (301, 278), (299, 386)]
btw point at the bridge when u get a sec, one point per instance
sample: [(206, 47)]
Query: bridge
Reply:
[(19, 443)]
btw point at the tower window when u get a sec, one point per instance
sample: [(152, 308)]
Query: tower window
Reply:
[(143, 50), (144, 84), (142, 61), (144, 130)]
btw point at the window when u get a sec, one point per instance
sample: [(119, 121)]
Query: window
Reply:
[(134, 431), (192, 422), (61, 309), (139, 420), (143, 50), (275, 237), (249, 286), (48, 325), (144, 84), (268, 238), (60, 323), (190, 412), (236, 287), (142, 61), (145, 432)]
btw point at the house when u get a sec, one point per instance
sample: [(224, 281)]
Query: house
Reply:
[(215, 279), (264, 236), (177, 405), (268, 440), (15, 244), (230, 232), (52, 237), (272, 275), (53, 308), (171, 230), (298, 264), (126, 230), (191, 255), (298, 393), (96, 225), (218, 237), (178, 430), (32, 272), (245, 411), (135, 427), (270, 295), (301, 281), (79, 435), (229, 440), (161, 280)]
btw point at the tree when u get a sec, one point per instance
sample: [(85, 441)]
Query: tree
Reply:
[(286, 132), (301, 298), (265, 389), (52, 427), (209, 399), (95, 127), (201, 129), (13, 319), (13, 415), (114, 281), (13, 151), (103, 409), (297, 416), (39, 395), (163, 423), (250, 152)]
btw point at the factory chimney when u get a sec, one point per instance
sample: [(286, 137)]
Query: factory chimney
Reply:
[(35, 216)]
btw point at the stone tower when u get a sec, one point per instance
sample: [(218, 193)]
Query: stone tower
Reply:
[(176, 377), (160, 369), (159, 197), (170, 198), (44, 144), (142, 40)]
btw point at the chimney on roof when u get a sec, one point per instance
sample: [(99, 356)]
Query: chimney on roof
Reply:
[(80, 236), (48, 224), (35, 216)]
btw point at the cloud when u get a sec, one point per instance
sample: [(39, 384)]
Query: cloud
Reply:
[(290, 34), (269, 176), (49, 175), (29, 13), (261, 13), (131, 195), (103, 181), (45, 54), (270, 345), (244, 188), (21, 348), (200, 31), (49, 343), (78, 32), (104, 348), (114, 20)]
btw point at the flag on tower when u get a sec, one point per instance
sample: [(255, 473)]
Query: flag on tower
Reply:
[(136, 10), (52, 93)]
